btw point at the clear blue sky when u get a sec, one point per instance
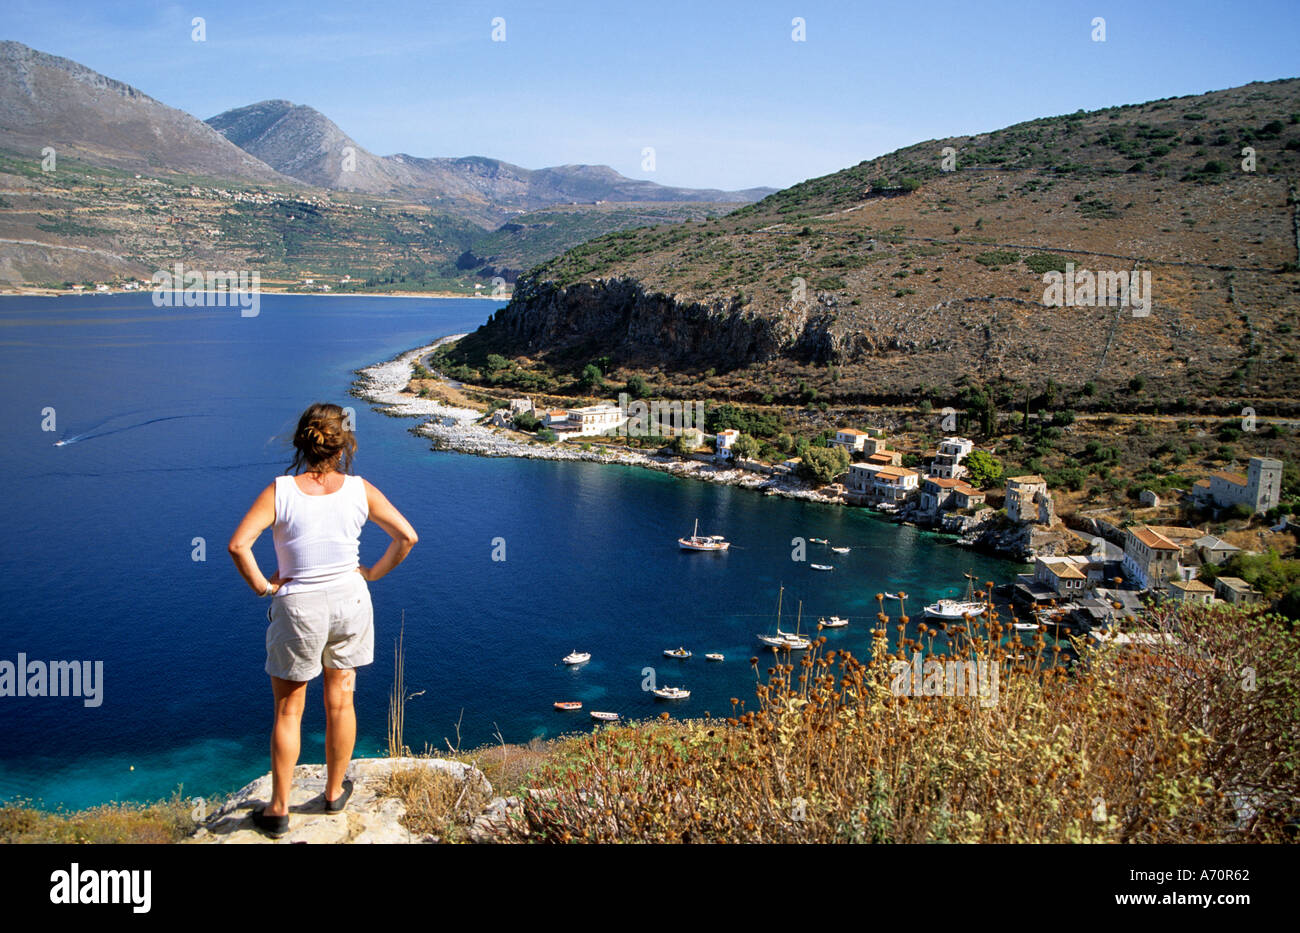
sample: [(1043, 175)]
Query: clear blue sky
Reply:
[(720, 91)]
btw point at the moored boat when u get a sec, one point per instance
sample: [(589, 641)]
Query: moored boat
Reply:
[(568, 705), (577, 657), (681, 653), (954, 610), (603, 716), (833, 622), (840, 550), (715, 657), (784, 640), (821, 566), (699, 542), (671, 693)]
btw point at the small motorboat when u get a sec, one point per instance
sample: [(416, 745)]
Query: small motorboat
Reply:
[(568, 705), (577, 657), (1026, 626), (715, 657), (818, 541), (671, 693), (821, 566), (840, 550), (680, 653), (891, 596), (603, 717), (833, 622)]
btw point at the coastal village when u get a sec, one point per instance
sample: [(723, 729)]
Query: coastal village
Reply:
[(1095, 573)]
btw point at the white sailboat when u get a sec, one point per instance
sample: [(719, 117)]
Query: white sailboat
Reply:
[(785, 640)]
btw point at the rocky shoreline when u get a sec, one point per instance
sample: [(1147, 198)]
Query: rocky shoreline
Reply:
[(458, 429)]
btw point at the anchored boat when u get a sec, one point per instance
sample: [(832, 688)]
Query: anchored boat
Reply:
[(954, 610), (671, 693), (699, 542)]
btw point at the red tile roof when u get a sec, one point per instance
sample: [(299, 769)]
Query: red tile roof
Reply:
[(1153, 539)]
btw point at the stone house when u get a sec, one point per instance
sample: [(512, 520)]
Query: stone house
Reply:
[(1150, 559)]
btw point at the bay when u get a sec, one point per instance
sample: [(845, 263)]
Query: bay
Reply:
[(177, 418)]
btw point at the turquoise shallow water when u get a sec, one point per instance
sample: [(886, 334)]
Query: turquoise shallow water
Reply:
[(182, 416)]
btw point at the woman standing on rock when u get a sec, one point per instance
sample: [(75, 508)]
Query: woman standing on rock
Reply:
[(320, 615)]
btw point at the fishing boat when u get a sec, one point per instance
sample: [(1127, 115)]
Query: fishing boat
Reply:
[(568, 705), (577, 657), (833, 622), (699, 542), (602, 716), (954, 610), (821, 566), (818, 541), (715, 657), (840, 550), (681, 653), (671, 693)]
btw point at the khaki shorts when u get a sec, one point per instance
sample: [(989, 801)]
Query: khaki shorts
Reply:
[(331, 626)]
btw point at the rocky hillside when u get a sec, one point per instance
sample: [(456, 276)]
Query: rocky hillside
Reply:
[(900, 279), (48, 101)]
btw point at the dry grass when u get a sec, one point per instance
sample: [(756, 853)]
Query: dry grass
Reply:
[(161, 822), (1128, 745), (437, 804)]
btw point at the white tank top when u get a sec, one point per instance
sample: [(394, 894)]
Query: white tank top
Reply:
[(317, 537)]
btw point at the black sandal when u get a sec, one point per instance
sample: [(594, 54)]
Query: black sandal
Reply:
[(271, 825), (337, 805)]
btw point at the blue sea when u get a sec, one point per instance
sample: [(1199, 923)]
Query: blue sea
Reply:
[(174, 420)]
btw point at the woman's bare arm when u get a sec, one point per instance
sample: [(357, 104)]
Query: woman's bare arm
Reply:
[(383, 514), (260, 517)]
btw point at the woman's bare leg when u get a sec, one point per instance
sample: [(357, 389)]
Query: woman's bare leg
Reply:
[(290, 697), (340, 727)]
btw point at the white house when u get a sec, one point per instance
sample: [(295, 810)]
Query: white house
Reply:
[(592, 419), (947, 460), (895, 484), (851, 439), (722, 442)]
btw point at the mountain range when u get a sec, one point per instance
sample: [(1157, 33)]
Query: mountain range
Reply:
[(303, 143), (104, 133)]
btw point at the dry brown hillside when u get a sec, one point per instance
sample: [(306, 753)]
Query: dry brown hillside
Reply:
[(917, 281)]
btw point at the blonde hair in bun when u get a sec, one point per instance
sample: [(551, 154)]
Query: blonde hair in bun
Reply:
[(323, 443)]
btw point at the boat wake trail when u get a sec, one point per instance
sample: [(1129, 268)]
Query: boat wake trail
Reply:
[(94, 433)]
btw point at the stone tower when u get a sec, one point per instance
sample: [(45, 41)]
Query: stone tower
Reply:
[(1263, 483)]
